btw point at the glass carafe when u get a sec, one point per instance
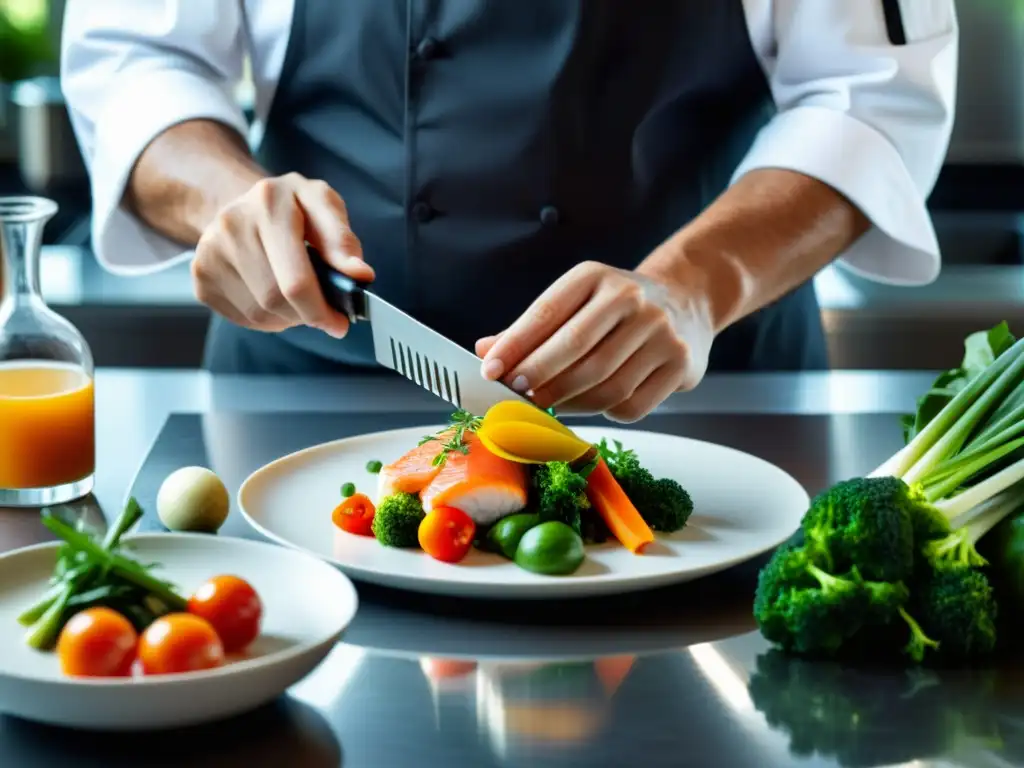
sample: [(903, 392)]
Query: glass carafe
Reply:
[(47, 411)]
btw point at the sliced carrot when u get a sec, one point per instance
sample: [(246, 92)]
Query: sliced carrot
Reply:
[(617, 510)]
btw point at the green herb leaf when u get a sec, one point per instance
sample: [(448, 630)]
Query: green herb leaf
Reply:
[(461, 423)]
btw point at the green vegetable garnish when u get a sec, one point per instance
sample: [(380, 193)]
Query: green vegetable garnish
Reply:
[(913, 526), (374, 467), (504, 536), (90, 573), (561, 496), (348, 489), (551, 548), (396, 522), (662, 502), (461, 422)]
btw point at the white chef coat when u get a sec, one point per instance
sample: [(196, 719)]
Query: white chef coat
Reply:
[(867, 117)]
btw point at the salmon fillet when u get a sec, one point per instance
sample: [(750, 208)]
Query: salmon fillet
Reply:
[(484, 486), (412, 472)]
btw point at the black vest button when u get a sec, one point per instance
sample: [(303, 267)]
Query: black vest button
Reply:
[(549, 215), (422, 212), (427, 49)]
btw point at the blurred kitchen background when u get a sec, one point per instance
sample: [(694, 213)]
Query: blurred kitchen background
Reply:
[(978, 209)]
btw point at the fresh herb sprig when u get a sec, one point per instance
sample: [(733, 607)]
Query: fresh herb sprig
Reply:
[(460, 424)]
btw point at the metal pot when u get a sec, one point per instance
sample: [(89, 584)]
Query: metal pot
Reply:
[(48, 155)]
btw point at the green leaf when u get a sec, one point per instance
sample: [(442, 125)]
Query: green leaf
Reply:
[(980, 351)]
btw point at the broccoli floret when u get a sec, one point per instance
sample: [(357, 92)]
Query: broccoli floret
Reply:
[(867, 523), (663, 503), (396, 522), (957, 606), (786, 570), (801, 607), (954, 549), (561, 494)]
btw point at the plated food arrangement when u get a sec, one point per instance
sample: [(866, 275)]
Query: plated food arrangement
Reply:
[(518, 483)]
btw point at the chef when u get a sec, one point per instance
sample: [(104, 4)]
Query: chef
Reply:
[(604, 199)]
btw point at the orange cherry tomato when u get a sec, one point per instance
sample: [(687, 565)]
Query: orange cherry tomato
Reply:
[(179, 642), (355, 515), (232, 608), (447, 534), (97, 642)]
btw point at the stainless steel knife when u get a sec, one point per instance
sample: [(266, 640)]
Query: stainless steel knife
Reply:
[(409, 347)]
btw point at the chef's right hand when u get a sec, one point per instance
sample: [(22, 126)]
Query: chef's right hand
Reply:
[(251, 263)]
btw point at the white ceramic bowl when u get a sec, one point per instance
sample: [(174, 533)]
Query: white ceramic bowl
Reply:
[(307, 605)]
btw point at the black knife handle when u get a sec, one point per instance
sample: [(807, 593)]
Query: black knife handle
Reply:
[(340, 291)]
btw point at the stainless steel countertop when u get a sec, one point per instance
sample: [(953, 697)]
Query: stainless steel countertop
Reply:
[(675, 677)]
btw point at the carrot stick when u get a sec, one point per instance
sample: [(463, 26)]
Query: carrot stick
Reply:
[(617, 510)]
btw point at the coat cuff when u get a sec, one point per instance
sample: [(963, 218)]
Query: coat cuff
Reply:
[(859, 162), (137, 109)]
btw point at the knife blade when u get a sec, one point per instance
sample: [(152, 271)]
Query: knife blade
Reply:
[(404, 345)]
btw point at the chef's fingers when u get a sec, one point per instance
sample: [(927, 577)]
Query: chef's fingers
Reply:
[(221, 288), (617, 388), (228, 249), (285, 283), (329, 230), (602, 361), (556, 305), (483, 346), (574, 340), (649, 395)]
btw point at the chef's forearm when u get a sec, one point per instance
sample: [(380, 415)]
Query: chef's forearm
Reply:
[(768, 233), (186, 175)]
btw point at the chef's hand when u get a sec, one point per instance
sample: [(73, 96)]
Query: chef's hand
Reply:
[(251, 263), (604, 340)]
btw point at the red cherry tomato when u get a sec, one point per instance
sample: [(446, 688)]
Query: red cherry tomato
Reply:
[(179, 642), (98, 642), (355, 515), (232, 608), (447, 534)]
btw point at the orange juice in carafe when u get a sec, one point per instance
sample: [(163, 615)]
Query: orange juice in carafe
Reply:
[(47, 413), (47, 425)]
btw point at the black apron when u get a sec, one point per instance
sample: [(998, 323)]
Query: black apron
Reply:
[(485, 147)]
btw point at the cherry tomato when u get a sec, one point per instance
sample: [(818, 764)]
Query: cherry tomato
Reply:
[(98, 642), (232, 608), (179, 642), (355, 515), (446, 534)]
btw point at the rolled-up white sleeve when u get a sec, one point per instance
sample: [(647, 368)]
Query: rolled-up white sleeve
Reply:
[(864, 110), (131, 69)]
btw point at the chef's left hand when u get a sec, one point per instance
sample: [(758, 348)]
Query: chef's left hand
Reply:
[(605, 340)]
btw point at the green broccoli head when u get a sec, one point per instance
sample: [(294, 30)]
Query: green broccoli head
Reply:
[(561, 494), (803, 608), (396, 523), (867, 523), (666, 506), (785, 571), (663, 503), (956, 605)]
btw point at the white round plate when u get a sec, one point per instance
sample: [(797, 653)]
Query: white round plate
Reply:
[(307, 605), (744, 506)]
